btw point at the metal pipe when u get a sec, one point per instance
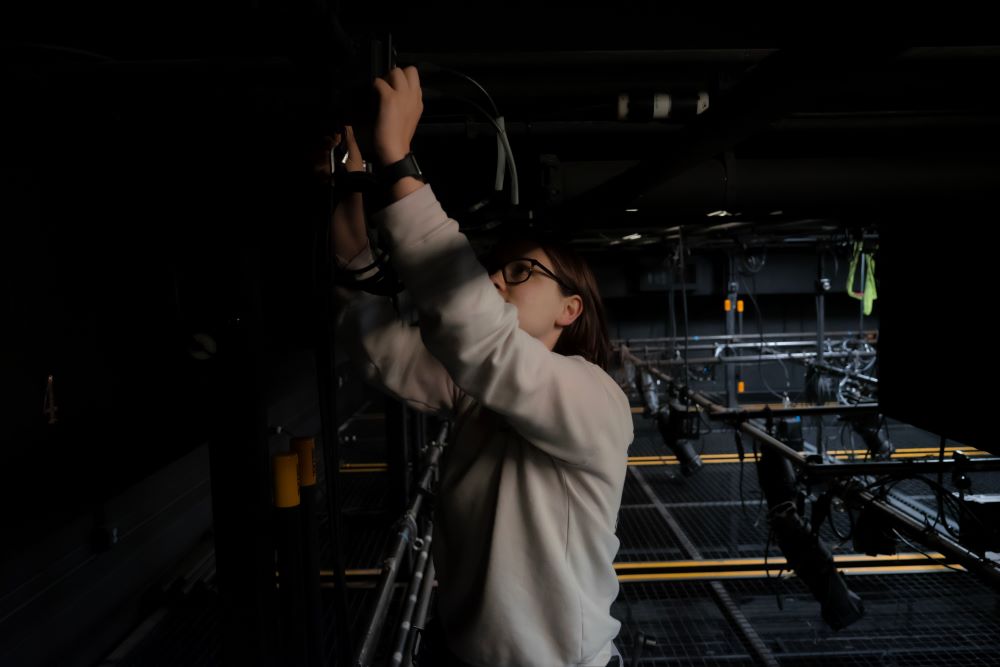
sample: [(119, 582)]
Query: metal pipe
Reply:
[(795, 343), (821, 283), (716, 411), (809, 410), (412, 594), (764, 94), (775, 444), (391, 565), (982, 464), (536, 59), (794, 356), (629, 59), (420, 615), (732, 398), (926, 534), (350, 420), (841, 371), (384, 595), (618, 342)]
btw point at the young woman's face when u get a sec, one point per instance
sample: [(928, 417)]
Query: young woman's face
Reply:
[(542, 309)]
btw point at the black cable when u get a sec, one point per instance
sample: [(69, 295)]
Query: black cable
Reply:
[(833, 527), (687, 333), (885, 479), (944, 494), (502, 134), (672, 307), (760, 331), (767, 548), (767, 571), (502, 139), (940, 491), (760, 503), (743, 505), (430, 67), (921, 551)]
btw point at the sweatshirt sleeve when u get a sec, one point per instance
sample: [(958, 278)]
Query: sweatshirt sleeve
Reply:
[(388, 351), (566, 406)]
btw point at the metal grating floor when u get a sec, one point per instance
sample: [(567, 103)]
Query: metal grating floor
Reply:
[(910, 619), (926, 619), (688, 626), (947, 618)]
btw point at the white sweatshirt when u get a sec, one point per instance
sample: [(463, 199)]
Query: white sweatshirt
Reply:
[(531, 481)]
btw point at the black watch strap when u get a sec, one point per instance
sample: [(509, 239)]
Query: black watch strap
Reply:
[(391, 173)]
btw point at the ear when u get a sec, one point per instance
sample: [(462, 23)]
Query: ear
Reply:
[(572, 308)]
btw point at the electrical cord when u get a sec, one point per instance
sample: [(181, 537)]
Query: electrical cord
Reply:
[(833, 527), (760, 330), (503, 145), (940, 491), (434, 67), (515, 196), (921, 551)]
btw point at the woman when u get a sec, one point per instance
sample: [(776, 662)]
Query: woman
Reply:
[(531, 481)]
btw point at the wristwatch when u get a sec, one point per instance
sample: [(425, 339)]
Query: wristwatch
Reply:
[(391, 173)]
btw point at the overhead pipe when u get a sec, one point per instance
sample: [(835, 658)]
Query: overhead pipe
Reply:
[(793, 183), (793, 356), (769, 91), (803, 334)]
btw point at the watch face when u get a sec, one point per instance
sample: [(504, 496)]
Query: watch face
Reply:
[(413, 161), (412, 168)]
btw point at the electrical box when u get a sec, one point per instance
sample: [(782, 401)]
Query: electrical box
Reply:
[(979, 524)]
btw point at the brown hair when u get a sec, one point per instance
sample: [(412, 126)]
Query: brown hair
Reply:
[(587, 336)]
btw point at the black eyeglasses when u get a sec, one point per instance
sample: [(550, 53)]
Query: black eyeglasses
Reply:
[(519, 270)]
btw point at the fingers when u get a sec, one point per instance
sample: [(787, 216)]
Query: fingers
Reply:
[(412, 78), (352, 143), (383, 88), (399, 80), (400, 107)]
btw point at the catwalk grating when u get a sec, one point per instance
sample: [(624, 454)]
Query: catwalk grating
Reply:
[(683, 620), (928, 619)]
